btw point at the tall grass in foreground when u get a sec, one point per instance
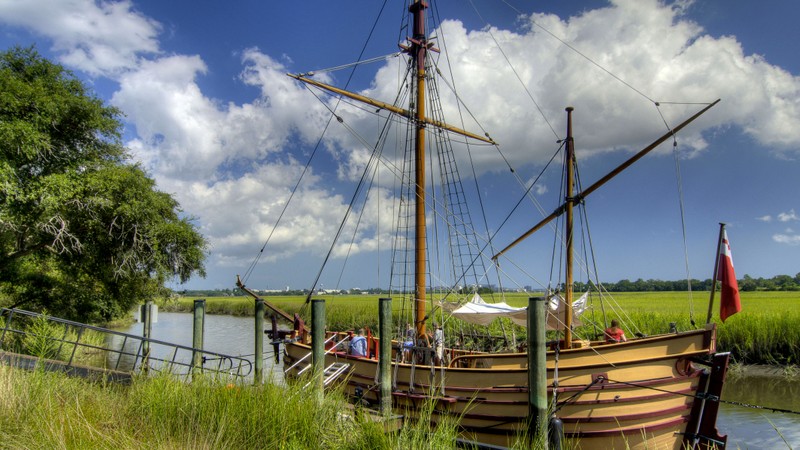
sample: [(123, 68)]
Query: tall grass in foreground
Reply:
[(49, 410)]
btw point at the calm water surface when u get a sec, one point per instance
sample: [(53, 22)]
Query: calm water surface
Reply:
[(229, 335), (747, 428)]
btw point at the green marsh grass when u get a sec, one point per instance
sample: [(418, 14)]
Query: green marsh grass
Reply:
[(766, 331), (50, 410), (50, 340)]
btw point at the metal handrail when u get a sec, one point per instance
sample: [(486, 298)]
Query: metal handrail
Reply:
[(308, 355), (232, 366)]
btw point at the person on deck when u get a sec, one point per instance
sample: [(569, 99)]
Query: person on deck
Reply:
[(408, 343), (299, 328), (358, 346), (438, 344), (615, 333)]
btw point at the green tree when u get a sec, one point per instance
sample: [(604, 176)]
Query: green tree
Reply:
[(747, 284), (83, 232)]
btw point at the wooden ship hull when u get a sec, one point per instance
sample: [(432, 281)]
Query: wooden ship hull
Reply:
[(645, 393)]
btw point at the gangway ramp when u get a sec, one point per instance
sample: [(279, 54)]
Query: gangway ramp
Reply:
[(65, 346)]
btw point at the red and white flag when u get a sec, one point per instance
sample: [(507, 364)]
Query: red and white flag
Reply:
[(729, 292)]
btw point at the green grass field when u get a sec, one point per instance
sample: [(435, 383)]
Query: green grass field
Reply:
[(766, 331)]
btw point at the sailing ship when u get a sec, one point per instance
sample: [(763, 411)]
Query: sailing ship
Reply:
[(647, 392)]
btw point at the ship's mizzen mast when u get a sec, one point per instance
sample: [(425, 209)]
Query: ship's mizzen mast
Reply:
[(582, 195), (570, 202), (571, 199)]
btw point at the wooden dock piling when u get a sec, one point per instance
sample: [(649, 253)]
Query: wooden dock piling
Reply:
[(198, 328), (259, 356), (537, 368), (385, 355)]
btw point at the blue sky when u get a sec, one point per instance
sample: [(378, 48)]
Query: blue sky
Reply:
[(211, 115)]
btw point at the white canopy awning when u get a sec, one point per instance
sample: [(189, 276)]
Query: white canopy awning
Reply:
[(479, 312), (482, 313)]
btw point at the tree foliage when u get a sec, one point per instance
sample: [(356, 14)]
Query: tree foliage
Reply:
[(84, 233), (748, 283)]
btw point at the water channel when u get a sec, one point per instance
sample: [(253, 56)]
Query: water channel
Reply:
[(747, 428)]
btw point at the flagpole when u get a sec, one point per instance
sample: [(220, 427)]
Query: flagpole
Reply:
[(716, 270)]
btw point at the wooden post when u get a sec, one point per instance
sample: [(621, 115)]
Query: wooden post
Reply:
[(537, 370), (276, 344), (146, 315), (385, 354), (318, 341), (198, 328), (259, 356)]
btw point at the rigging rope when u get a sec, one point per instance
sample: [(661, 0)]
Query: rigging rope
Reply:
[(683, 231), (356, 193), (513, 69), (469, 151), (353, 64), (252, 266), (594, 63), (683, 216)]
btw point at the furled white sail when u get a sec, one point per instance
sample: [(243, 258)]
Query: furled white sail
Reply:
[(479, 312)]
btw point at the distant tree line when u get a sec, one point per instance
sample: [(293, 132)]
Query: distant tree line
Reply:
[(233, 292), (748, 283)]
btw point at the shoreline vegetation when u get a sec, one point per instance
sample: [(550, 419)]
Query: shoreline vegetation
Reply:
[(765, 332), (41, 409)]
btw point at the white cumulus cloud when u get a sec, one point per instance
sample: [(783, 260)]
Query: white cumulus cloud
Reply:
[(788, 216), (789, 237), (98, 37), (233, 164)]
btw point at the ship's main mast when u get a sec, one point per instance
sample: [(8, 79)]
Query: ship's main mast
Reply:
[(418, 51)]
